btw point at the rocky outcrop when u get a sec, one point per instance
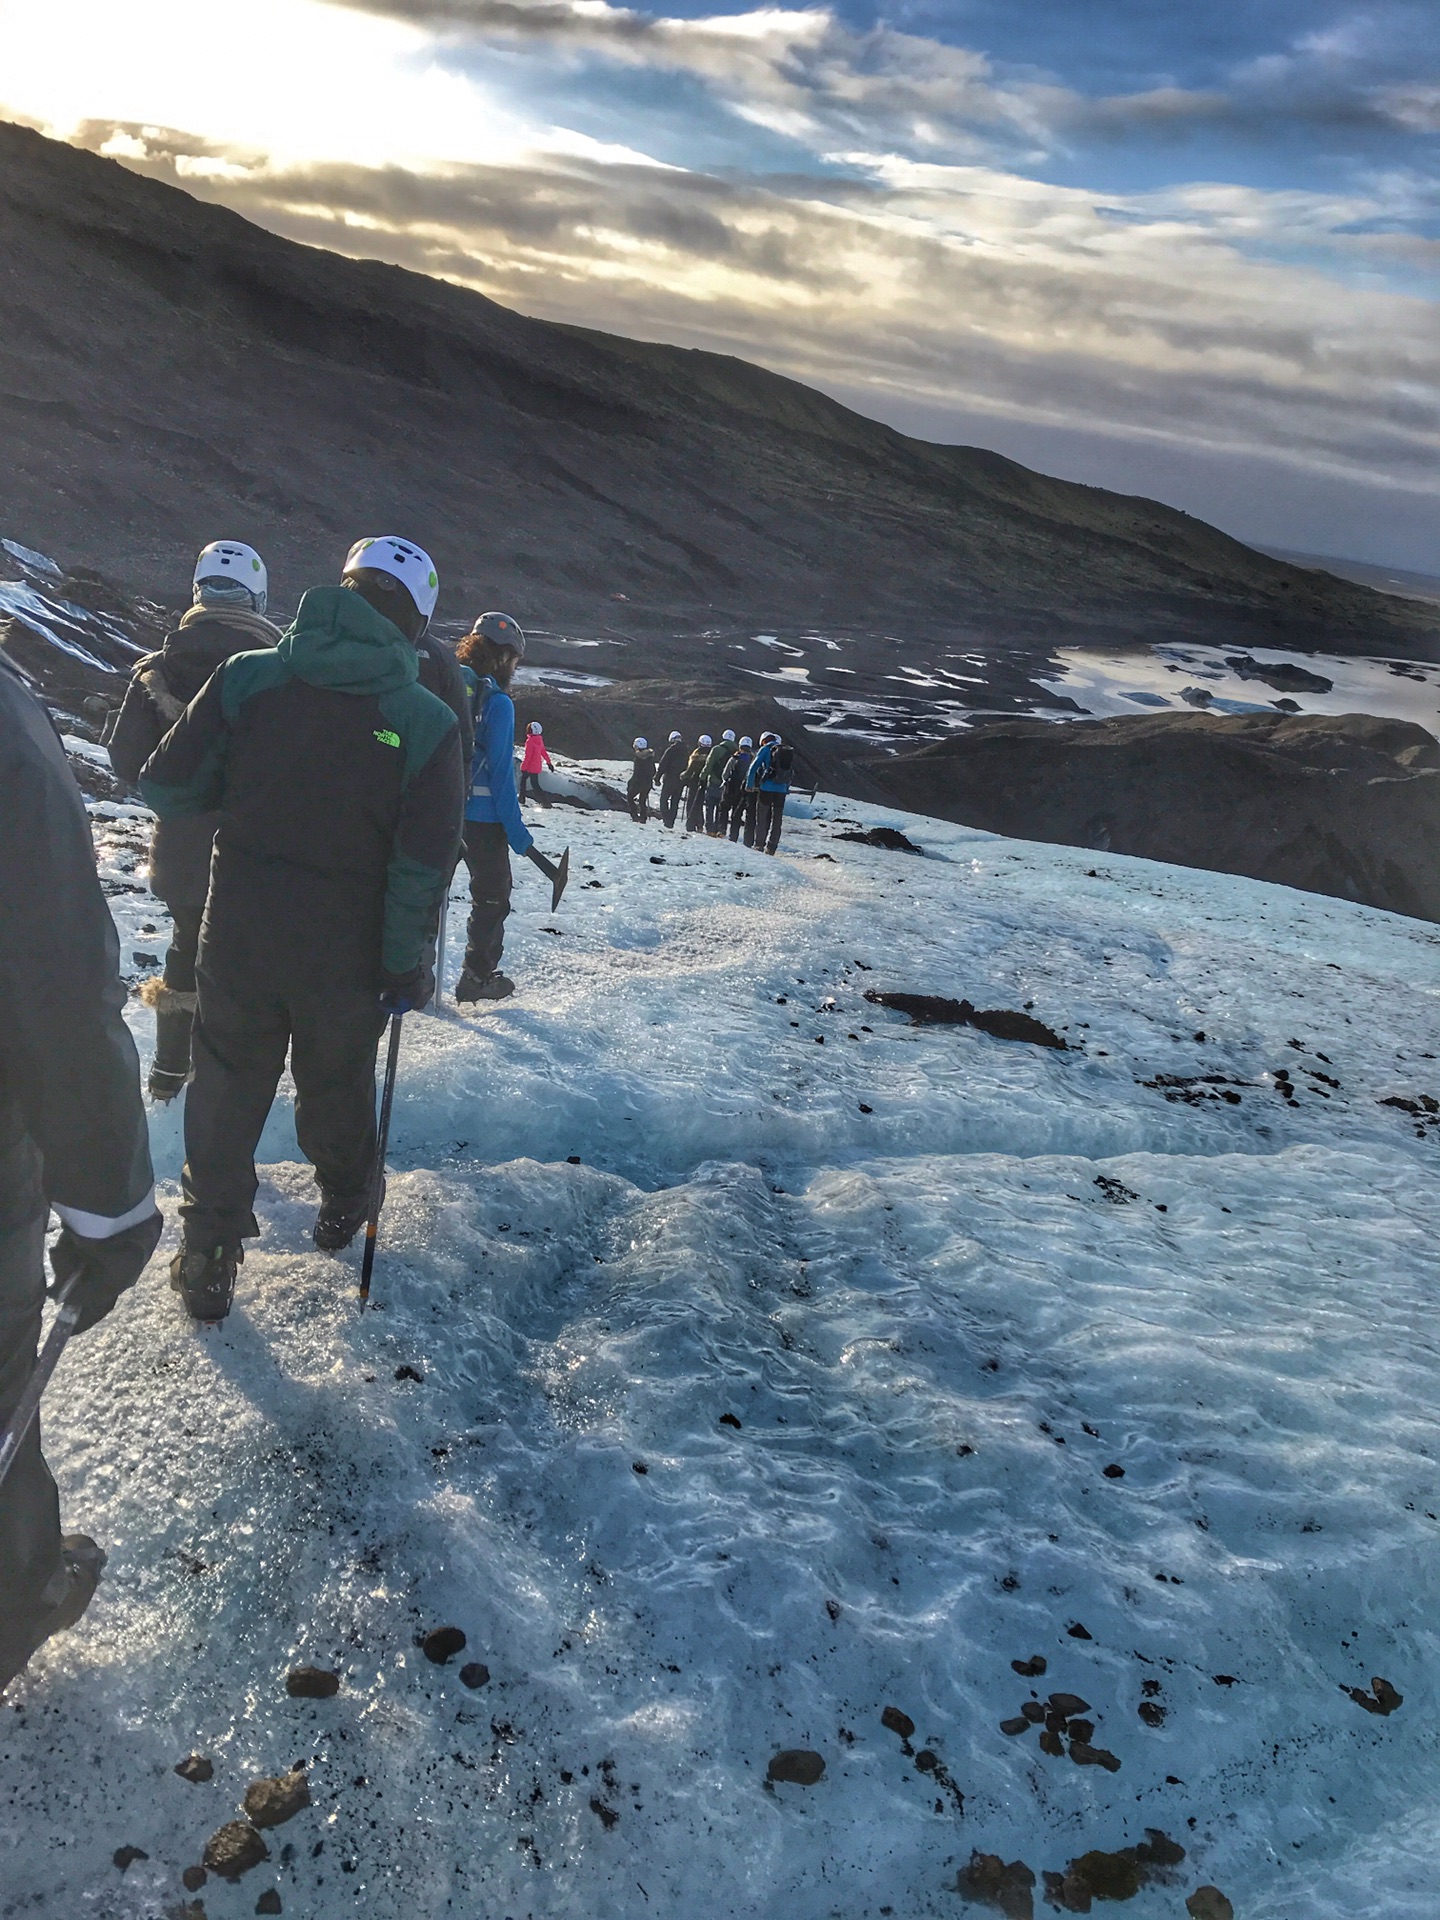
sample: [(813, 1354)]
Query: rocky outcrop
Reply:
[(1344, 804)]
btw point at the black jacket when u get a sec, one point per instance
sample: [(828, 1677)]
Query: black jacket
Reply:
[(161, 687), (642, 773), (670, 767), (72, 1124), (440, 674)]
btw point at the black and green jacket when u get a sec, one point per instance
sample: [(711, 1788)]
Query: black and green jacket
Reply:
[(329, 765)]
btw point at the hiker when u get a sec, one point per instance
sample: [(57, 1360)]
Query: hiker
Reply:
[(229, 589), (72, 1140), (489, 655), (339, 783), (535, 756), (642, 779), (715, 764), (740, 806), (769, 780), (692, 784), (670, 771)]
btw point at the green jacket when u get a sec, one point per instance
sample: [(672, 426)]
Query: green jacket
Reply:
[(715, 764), (328, 763)]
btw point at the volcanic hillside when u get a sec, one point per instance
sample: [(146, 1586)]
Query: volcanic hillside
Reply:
[(168, 370)]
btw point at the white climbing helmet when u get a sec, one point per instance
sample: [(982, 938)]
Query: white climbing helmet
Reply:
[(746, 741), (234, 564), (706, 741), (536, 727), (403, 561), (677, 735), (641, 744), (729, 734)]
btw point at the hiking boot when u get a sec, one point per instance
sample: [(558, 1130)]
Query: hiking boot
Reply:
[(493, 986), (340, 1218), (64, 1598), (206, 1280)]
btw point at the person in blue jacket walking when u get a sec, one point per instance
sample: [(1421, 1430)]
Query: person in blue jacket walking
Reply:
[(769, 780), (488, 656)]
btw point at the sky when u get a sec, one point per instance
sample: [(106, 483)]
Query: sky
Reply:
[(1187, 251)]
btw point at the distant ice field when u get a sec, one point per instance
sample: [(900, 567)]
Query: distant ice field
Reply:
[(772, 1356)]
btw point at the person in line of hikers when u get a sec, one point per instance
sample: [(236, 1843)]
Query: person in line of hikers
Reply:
[(339, 783), (642, 779), (535, 756), (73, 1141), (227, 615), (692, 784), (489, 655), (714, 780), (738, 805), (769, 780), (670, 771)]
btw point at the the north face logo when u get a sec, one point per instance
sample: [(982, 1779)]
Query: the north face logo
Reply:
[(386, 738)]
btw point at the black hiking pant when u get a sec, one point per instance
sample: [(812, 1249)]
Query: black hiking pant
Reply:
[(535, 787), (281, 971), (769, 814), (185, 918), (30, 1553), (742, 817), (669, 804), (712, 807), (487, 855), (639, 798), (694, 809)]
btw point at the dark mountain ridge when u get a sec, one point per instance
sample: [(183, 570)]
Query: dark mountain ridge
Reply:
[(169, 371)]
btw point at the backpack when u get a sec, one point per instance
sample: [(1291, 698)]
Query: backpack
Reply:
[(782, 760)]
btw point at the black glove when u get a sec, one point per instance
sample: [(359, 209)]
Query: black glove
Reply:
[(408, 992), (106, 1268)]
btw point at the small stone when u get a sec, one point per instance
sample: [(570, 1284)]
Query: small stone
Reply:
[(234, 1849), (1018, 1725), (796, 1765), (474, 1674), (312, 1683), (1081, 1729), (992, 1882), (1068, 1704), (1052, 1744), (1084, 1755), (898, 1722), (927, 1761), (269, 1902), (1030, 1669), (1208, 1903), (1078, 1632), (1055, 1722), (1108, 1876), (127, 1856), (270, 1803), (730, 1420), (442, 1644), (1158, 1850), (1113, 1472), (406, 1372), (1386, 1698), (193, 1878), (196, 1769), (1152, 1713), (1033, 1712)]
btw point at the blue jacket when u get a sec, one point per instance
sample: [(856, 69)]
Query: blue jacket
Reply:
[(760, 779), (492, 794)]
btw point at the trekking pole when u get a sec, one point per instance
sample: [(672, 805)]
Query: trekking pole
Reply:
[(377, 1177), (440, 932), (61, 1328)]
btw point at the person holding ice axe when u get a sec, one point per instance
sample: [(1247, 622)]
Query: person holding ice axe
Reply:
[(488, 656), (340, 782), (72, 1141)]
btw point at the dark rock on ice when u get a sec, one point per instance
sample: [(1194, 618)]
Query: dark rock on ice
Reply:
[(442, 1644), (127, 1856), (196, 1769), (898, 1722), (270, 1803), (730, 1420), (797, 1766), (1114, 1471), (406, 1372), (1208, 1903), (890, 838), (234, 1849), (311, 1683), (1283, 675), (1152, 1713), (1052, 1744), (1033, 1712), (1382, 1698), (607, 1816), (992, 1882), (269, 1902), (1001, 1023), (193, 1878), (1084, 1755), (1081, 1729), (1068, 1704), (1030, 1669), (1078, 1632), (1018, 1725)]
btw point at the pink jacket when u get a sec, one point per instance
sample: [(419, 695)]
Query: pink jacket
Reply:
[(535, 755)]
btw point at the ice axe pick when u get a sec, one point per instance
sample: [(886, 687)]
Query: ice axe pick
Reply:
[(558, 876)]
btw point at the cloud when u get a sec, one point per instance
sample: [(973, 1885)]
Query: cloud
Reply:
[(920, 284)]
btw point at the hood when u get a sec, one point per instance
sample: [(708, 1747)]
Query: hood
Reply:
[(204, 640), (338, 640)]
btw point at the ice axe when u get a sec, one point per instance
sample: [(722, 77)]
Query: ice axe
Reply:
[(61, 1328), (558, 876), (377, 1173)]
